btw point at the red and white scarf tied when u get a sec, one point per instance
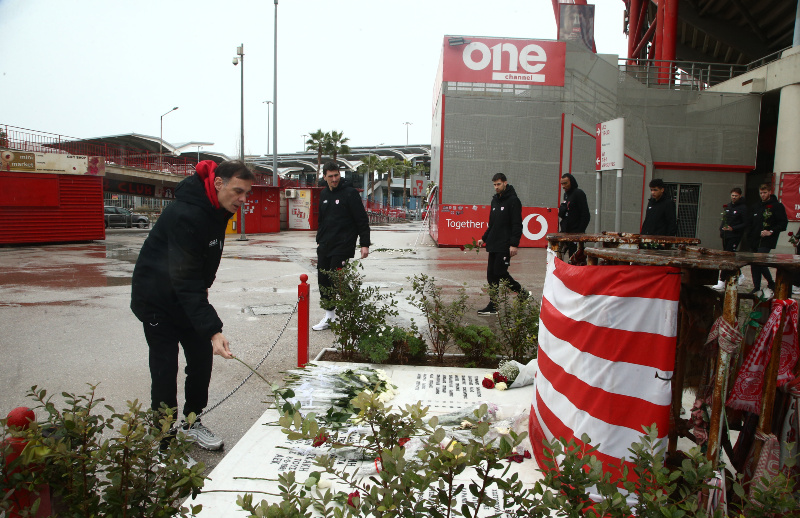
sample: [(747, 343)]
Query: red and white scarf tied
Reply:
[(726, 335), (749, 384)]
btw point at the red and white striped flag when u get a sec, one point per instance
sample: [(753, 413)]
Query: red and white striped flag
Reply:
[(607, 340)]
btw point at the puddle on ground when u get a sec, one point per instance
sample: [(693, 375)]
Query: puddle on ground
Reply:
[(61, 277), (272, 258)]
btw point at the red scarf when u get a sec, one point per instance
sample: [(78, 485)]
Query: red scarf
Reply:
[(205, 170)]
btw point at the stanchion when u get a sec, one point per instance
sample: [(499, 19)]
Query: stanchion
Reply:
[(303, 290)]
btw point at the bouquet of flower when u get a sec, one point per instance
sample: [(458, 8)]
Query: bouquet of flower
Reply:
[(471, 246), (792, 238), (724, 215), (766, 217)]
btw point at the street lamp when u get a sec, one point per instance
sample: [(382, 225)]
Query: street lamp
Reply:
[(267, 103), (161, 138), (275, 106), (236, 60), (407, 125), (304, 142)]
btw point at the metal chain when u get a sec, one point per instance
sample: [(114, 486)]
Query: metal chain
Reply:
[(232, 392)]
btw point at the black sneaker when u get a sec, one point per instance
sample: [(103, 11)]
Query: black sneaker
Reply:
[(488, 310)]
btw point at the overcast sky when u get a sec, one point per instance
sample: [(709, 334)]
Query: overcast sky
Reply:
[(89, 68)]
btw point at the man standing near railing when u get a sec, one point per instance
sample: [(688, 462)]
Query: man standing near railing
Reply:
[(342, 219)]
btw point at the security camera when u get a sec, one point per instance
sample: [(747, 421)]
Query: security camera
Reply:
[(235, 61)]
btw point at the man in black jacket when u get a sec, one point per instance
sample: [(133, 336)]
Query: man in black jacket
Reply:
[(574, 212), (731, 228), (502, 236), (342, 219), (169, 289), (768, 220), (659, 220)]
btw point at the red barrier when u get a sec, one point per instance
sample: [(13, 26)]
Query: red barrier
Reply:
[(303, 291)]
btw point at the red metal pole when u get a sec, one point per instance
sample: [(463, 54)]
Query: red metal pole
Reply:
[(670, 37), (633, 25), (303, 290), (660, 38)]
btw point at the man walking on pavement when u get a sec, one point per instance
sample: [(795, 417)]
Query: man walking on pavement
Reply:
[(731, 228), (574, 212), (659, 220), (768, 220), (502, 236), (169, 289), (342, 218)]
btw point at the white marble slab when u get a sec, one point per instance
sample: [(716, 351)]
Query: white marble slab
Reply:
[(254, 463)]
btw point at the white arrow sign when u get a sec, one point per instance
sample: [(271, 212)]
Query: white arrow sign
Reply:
[(610, 148)]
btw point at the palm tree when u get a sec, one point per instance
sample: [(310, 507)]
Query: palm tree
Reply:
[(390, 163), (335, 143), (407, 167), (370, 163), (316, 142), (381, 167)]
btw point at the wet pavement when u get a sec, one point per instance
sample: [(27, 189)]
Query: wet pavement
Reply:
[(66, 323)]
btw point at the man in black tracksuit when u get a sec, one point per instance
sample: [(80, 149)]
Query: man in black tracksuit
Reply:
[(731, 229), (502, 236), (573, 211), (342, 219), (659, 220), (768, 220), (169, 289)]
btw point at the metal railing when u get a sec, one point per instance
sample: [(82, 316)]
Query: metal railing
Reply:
[(688, 75), (22, 139)]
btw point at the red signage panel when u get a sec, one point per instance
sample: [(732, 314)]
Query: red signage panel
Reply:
[(460, 224), (503, 60), (790, 195)]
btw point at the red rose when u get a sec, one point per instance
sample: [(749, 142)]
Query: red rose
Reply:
[(791, 234), (725, 206), (514, 458), (499, 378), (527, 454), (769, 206), (462, 248), (403, 441), (351, 499), (320, 439), (487, 383)]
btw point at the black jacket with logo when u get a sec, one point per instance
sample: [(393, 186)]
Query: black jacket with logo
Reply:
[(505, 221), (659, 220), (574, 210), (342, 219), (767, 215), (179, 260), (736, 216)]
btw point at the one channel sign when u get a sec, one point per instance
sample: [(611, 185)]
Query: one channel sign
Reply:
[(610, 145)]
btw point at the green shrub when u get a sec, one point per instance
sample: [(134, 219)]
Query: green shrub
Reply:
[(393, 344), (478, 343), (518, 321), (92, 472), (443, 318), (360, 311)]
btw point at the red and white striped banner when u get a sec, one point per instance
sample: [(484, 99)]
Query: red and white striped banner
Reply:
[(607, 339)]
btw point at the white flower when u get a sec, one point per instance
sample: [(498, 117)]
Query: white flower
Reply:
[(501, 431), (380, 334), (324, 483), (363, 378), (500, 386), (490, 377)]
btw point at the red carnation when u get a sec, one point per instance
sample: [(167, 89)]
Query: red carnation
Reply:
[(499, 378), (487, 383), (320, 439), (352, 497)]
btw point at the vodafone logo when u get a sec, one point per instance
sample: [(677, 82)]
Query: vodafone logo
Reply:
[(526, 227), (531, 59)]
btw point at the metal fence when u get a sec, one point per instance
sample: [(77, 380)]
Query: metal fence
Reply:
[(22, 139)]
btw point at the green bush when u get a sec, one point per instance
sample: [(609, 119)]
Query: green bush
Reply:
[(478, 343), (393, 344), (94, 472), (361, 311), (518, 321), (443, 318)]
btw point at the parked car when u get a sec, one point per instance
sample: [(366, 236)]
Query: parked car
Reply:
[(119, 217)]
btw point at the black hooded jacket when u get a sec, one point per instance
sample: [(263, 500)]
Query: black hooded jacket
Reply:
[(736, 216), (659, 220), (505, 221), (342, 219), (767, 215), (574, 210), (179, 260)]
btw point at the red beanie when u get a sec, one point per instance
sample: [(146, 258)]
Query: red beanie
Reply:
[(205, 170)]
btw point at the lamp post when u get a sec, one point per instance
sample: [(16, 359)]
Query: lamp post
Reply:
[(267, 103), (304, 142), (275, 105), (407, 125), (236, 60), (161, 137)]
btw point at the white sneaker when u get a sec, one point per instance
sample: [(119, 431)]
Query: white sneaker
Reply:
[(202, 436), (323, 324), (719, 286)]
